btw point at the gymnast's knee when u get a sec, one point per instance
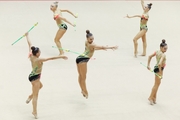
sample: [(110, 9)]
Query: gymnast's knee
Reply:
[(56, 40), (135, 40), (84, 77)]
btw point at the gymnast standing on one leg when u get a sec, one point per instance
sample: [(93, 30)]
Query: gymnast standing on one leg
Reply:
[(143, 28), (60, 22), (83, 59), (159, 67), (34, 76)]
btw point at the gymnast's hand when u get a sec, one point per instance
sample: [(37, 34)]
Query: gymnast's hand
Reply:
[(64, 57), (127, 16), (76, 16), (26, 34), (114, 48), (74, 25)]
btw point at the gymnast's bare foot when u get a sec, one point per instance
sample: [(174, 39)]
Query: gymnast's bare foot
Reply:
[(135, 54), (143, 54), (84, 94), (35, 115), (151, 101), (28, 100), (154, 100)]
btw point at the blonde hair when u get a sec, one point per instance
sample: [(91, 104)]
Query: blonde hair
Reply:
[(55, 3)]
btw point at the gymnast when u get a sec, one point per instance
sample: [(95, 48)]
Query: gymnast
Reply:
[(60, 21), (158, 69), (34, 76), (83, 59), (143, 28)]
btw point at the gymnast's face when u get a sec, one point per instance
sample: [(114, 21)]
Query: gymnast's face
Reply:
[(53, 7), (38, 54), (90, 39), (164, 49), (146, 9)]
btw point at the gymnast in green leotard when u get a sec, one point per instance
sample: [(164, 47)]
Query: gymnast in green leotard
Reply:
[(143, 28), (83, 59), (34, 76), (60, 21), (159, 67)]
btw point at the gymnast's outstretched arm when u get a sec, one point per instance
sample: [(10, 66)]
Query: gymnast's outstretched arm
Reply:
[(69, 13), (64, 19), (133, 16), (97, 47), (52, 58)]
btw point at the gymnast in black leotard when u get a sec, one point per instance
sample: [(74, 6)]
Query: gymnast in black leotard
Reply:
[(34, 76), (61, 23), (158, 69), (83, 59)]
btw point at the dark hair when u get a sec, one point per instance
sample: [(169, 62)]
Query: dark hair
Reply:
[(35, 50), (163, 43), (88, 34), (149, 5)]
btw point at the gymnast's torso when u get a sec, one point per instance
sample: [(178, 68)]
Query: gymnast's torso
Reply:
[(36, 65), (56, 17), (159, 54), (144, 19), (88, 50)]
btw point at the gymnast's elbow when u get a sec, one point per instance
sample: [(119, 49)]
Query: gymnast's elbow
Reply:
[(149, 57)]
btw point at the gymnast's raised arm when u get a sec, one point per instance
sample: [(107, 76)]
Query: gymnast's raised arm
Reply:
[(28, 41), (142, 4)]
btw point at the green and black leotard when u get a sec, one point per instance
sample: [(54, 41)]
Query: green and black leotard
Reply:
[(84, 57)]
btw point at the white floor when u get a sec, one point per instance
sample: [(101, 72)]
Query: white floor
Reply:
[(118, 84)]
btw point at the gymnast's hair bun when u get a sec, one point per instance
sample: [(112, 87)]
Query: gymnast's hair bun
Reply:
[(150, 4), (87, 31), (163, 41), (32, 48)]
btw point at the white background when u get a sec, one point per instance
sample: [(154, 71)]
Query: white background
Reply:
[(118, 85)]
